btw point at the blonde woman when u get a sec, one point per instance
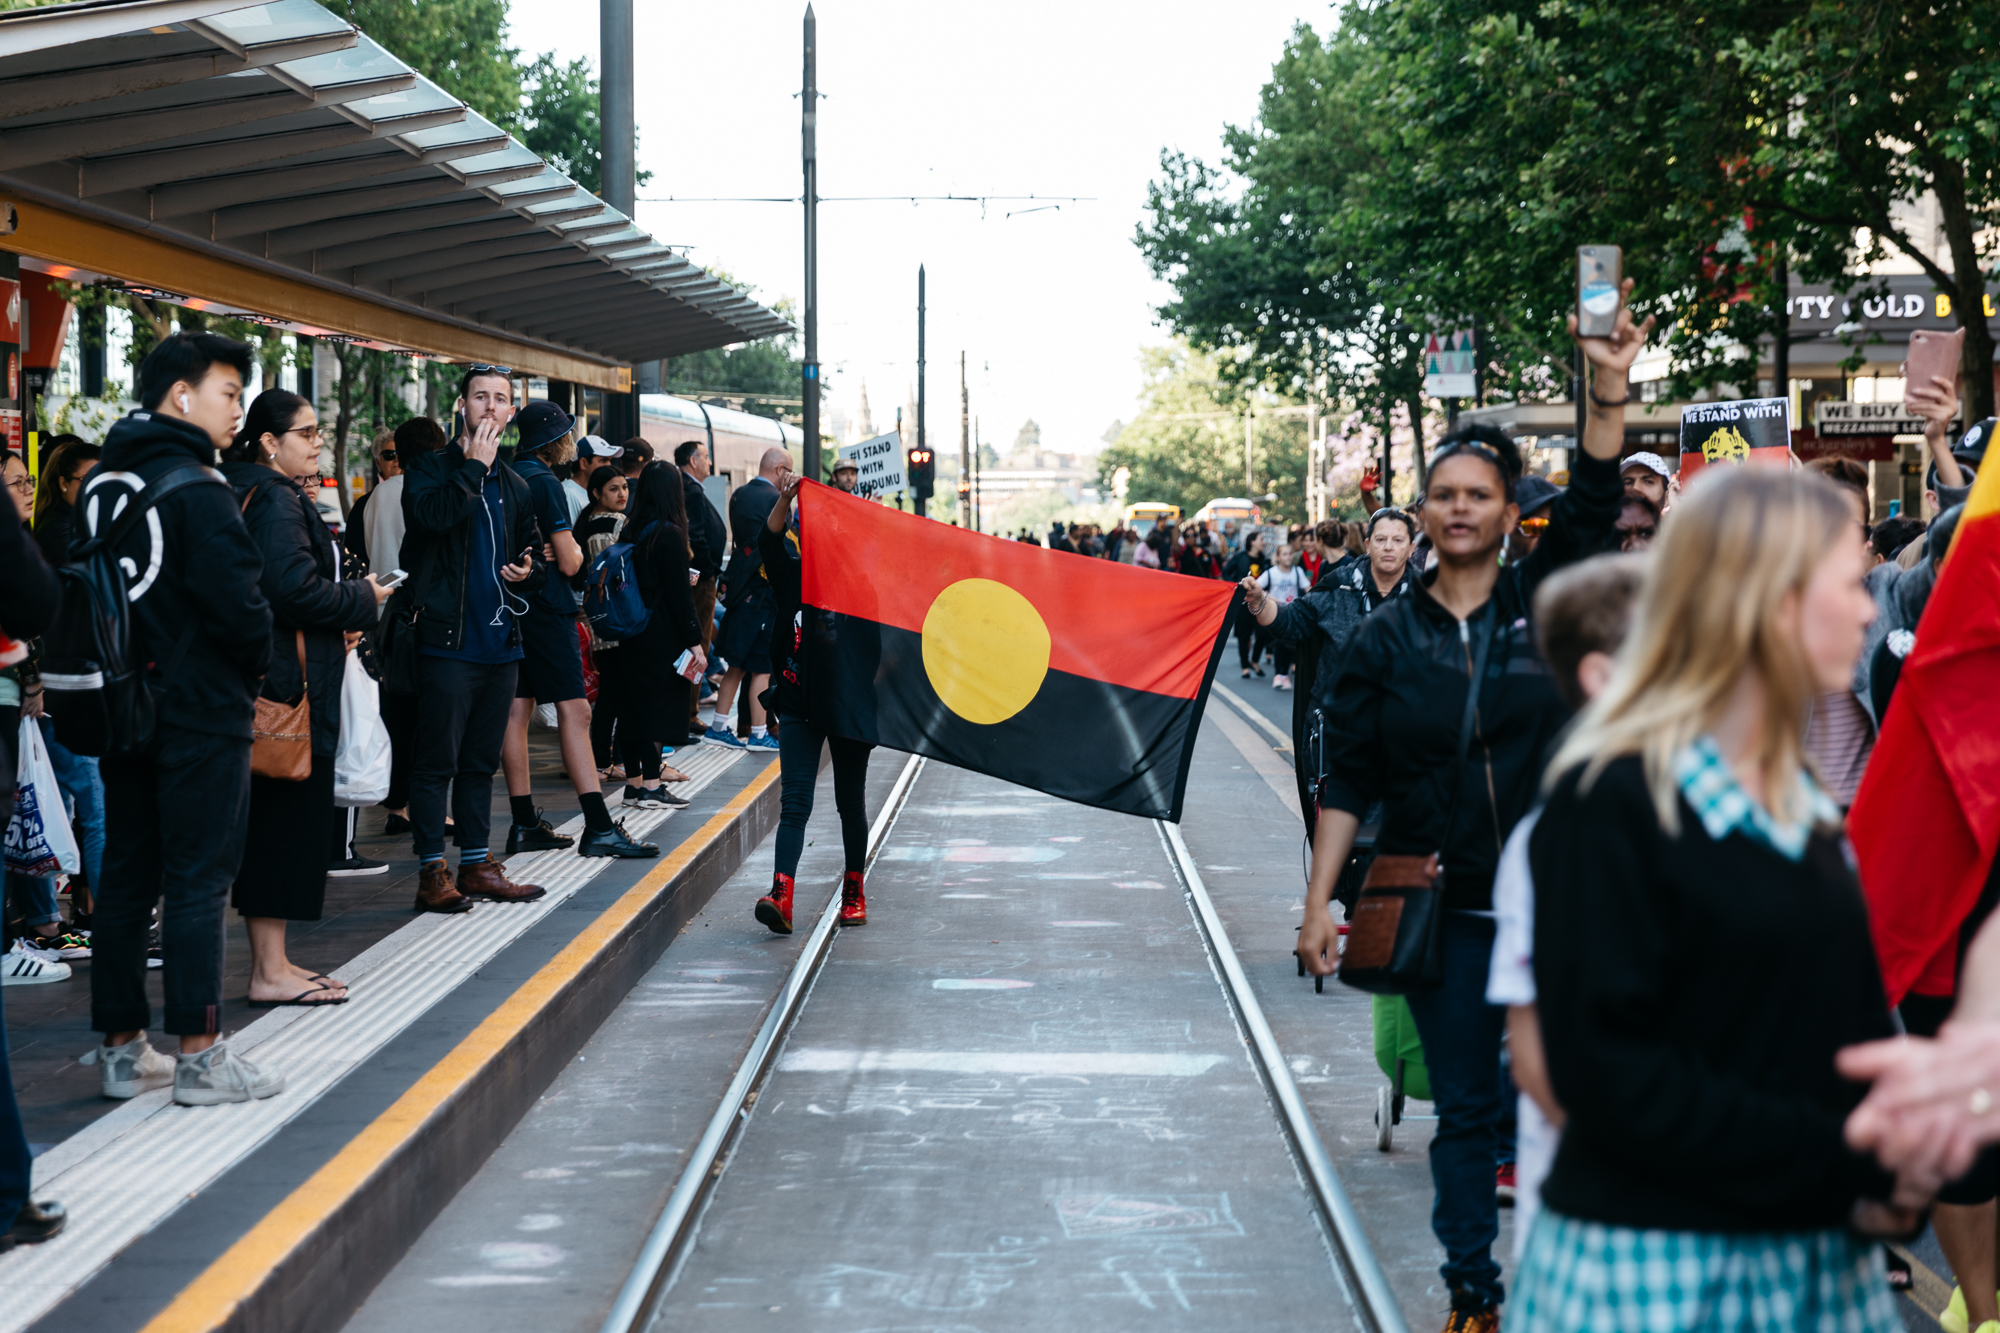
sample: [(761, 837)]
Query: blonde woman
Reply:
[(1702, 947)]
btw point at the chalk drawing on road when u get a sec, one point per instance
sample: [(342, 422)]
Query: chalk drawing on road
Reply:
[(1091, 1216)]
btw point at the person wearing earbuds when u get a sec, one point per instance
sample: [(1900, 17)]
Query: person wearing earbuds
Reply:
[(200, 619), (317, 616), (474, 555)]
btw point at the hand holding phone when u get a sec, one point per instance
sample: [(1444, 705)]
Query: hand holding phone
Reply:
[(1931, 374), (523, 566)]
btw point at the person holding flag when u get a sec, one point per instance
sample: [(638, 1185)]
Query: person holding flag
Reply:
[(800, 739)]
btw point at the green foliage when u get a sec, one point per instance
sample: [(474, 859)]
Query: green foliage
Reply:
[(1433, 162), (460, 45), (1186, 445)]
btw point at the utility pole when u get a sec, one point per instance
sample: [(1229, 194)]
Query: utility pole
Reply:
[(920, 371), (977, 525), (1249, 455), (964, 445), (1781, 342), (617, 146), (809, 139)]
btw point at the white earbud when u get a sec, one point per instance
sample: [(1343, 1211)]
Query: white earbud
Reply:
[(184, 402)]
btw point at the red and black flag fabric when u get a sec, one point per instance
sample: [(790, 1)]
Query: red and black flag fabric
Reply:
[(1078, 677)]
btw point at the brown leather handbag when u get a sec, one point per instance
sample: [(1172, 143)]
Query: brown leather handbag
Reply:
[(281, 744), (1395, 935)]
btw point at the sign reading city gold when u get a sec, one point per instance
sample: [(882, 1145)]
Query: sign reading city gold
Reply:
[(1077, 677), (1742, 430)]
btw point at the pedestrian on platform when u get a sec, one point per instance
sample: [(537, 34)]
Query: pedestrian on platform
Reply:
[(656, 678), (745, 641), (1702, 950), (598, 528), (203, 623), (66, 464), (633, 457), (413, 439), (800, 740), (551, 669), (1393, 735), (474, 554), (28, 597), (316, 618), (1248, 563), (708, 545)]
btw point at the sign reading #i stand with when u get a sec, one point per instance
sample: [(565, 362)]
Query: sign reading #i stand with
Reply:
[(880, 461), (1740, 430)]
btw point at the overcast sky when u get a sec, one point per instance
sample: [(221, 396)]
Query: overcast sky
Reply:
[(1031, 97)]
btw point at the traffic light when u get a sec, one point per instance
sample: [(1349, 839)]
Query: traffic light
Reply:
[(923, 472)]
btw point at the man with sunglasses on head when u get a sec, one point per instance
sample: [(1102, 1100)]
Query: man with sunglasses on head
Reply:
[(473, 552)]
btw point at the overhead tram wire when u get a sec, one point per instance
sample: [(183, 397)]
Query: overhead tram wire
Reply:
[(982, 199)]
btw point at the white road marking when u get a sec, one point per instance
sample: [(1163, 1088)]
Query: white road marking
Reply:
[(821, 1060)]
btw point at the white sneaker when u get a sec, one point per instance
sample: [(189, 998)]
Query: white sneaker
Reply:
[(214, 1076), (1281, 682), (132, 1068), (25, 965)]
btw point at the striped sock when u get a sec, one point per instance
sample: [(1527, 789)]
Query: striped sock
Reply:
[(471, 856), (431, 858)]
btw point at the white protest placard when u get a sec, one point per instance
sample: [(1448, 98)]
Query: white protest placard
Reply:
[(881, 463), (1837, 418)]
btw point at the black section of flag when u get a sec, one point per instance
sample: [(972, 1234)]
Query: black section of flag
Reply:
[(1086, 741)]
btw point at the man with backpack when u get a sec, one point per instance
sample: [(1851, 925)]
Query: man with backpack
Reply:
[(176, 793)]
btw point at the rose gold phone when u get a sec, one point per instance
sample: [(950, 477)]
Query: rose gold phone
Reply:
[(1933, 353)]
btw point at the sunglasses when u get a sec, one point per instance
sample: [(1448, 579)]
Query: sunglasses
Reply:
[(1535, 526), (387, 455), (489, 370)]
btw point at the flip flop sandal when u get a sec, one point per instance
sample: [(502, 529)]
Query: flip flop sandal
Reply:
[(669, 774), (300, 1001), (1899, 1274)]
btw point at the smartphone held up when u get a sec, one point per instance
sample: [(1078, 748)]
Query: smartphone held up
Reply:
[(1597, 278)]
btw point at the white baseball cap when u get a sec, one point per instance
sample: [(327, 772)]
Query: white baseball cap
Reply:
[(594, 446), (1650, 461)]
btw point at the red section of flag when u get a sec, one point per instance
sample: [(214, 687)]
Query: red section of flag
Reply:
[(1927, 817), (1693, 462), (1107, 621)]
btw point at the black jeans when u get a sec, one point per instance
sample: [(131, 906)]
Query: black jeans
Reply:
[(799, 743), (1461, 1035), (399, 716), (17, 1162), (174, 821), (461, 720), (1249, 636)]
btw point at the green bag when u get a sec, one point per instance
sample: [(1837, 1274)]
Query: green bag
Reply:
[(1396, 1035)]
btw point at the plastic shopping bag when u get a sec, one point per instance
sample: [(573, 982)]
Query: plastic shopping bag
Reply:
[(361, 763), (39, 840)]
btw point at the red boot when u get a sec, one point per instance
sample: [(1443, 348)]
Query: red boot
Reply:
[(774, 909), (853, 903)]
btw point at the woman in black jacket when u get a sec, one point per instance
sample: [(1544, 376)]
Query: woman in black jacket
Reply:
[(1393, 737), (655, 701), (316, 617)]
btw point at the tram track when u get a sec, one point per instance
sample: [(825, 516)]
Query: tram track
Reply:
[(671, 1239)]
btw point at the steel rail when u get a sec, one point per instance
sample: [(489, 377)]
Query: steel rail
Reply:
[(1374, 1299), (633, 1309)]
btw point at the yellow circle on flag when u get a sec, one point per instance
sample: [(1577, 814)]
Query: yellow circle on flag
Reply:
[(985, 650)]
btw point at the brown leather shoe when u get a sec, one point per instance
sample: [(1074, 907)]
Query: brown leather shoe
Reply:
[(435, 892), (488, 880)]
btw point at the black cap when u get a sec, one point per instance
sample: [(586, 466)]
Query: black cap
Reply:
[(1971, 446), (541, 422), (1532, 493)]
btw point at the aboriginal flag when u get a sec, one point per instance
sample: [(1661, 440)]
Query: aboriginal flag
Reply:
[(1078, 677), (1926, 819)]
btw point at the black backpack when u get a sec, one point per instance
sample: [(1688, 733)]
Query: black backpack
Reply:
[(94, 691)]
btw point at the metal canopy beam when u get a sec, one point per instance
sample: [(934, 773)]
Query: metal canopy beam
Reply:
[(25, 95), (418, 238), (489, 270), (463, 298), (160, 166), (348, 214), (279, 183), (422, 271)]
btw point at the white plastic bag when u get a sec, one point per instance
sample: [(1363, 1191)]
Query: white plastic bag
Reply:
[(361, 763), (39, 840)]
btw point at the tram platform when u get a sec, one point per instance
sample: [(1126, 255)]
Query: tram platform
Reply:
[(455, 1025)]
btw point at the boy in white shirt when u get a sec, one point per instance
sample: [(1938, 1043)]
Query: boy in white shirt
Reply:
[(1581, 616)]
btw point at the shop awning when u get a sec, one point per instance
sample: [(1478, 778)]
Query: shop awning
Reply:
[(270, 160)]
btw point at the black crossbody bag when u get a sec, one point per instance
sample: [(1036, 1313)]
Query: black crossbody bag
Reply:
[(1395, 940)]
